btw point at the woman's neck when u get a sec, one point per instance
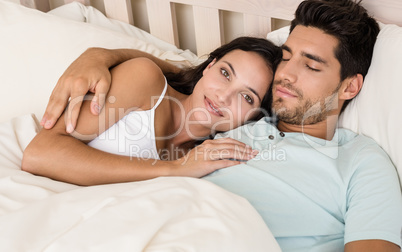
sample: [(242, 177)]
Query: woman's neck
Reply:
[(186, 130)]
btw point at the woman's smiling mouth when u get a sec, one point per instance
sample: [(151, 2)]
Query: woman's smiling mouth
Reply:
[(212, 108)]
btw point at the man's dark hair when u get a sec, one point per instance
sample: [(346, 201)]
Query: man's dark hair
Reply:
[(350, 23)]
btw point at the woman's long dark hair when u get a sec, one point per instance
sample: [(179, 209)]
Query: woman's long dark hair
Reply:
[(185, 80)]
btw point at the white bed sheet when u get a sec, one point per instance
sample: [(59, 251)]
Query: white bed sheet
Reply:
[(162, 214)]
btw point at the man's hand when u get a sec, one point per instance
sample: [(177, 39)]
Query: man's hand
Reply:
[(86, 73), (90, 72)]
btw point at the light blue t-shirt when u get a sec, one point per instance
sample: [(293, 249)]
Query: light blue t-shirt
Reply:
[(317, 195)]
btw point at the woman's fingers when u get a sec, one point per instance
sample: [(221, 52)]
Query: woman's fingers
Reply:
[(225, 153), (221, 149), (230, 154), (226, 148), (227, 142), (212, 155)]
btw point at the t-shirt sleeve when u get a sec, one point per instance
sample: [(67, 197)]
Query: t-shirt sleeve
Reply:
[(374, 201)]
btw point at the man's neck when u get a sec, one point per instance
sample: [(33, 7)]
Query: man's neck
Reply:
[(324, 129)]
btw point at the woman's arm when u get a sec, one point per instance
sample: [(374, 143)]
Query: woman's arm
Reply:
[(62, 156), (90, 72)]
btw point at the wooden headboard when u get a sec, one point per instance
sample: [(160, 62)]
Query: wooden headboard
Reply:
[(258, 16)]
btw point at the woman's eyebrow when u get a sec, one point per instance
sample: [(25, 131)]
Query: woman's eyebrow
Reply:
[(256, 94), (231, 68)]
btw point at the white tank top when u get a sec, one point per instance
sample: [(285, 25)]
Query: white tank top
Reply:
[(133, 135)]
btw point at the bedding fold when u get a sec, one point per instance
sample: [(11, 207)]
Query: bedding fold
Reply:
[(162, 214)]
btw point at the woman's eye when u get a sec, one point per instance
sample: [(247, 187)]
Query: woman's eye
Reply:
[(225, 73), (248, 98)]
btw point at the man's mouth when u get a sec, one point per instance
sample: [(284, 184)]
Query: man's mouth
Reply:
[(284, 92), (212, 108)]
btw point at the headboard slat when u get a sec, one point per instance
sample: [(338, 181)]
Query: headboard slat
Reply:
[(256, 25), (259, 17), (84, 2), (208, 25), (36, 4), (29, 3), (120, 10), (162, 20)]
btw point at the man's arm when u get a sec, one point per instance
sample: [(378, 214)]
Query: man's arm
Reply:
[(113, 57), (373, 219), (90, 72), (371, 246)]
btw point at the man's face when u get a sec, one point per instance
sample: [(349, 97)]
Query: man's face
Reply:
[(308, 78)]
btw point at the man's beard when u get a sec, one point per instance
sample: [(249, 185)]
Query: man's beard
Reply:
[(307, 111)]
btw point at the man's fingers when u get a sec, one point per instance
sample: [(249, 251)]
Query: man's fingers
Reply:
[(53, 110), (73, 112), (99, 99)]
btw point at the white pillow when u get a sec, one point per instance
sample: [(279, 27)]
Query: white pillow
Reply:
[(79, 12), (278, 37), (376, 111), (36, 48)]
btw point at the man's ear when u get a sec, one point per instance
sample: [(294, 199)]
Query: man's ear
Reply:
[(351, 87), (209, 66)]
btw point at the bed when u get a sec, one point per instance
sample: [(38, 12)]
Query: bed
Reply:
[(39, 39)]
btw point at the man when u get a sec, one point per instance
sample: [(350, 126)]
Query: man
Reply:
[(317, 187)]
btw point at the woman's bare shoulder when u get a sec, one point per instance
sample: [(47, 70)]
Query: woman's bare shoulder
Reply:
[(135, 83)]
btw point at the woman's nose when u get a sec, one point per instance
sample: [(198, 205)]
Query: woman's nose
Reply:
[(224, 96)]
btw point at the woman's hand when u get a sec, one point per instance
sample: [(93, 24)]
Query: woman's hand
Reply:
[(87, 73), (212, 155)]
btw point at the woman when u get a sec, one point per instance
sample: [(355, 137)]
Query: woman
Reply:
[(147, 128)]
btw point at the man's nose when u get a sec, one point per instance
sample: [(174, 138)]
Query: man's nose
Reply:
[(286, 71)]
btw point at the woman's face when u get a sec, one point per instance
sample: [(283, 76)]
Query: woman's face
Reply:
[(231, 90)]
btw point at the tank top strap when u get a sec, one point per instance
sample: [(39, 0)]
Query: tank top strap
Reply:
[(161, 96)]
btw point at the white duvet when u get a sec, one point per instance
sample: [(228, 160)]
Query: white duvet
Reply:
[(40, 214), (163, 214)]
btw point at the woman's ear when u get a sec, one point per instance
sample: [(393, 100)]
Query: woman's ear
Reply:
[(209, 66), (351, 87)]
